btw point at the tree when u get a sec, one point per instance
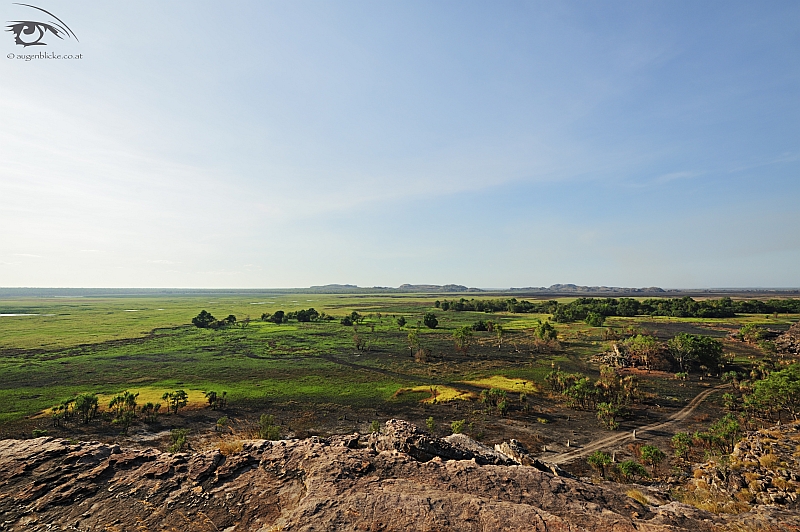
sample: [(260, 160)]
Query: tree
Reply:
[(642, 348), (779, 391), (230, 320), (594, 319), (430, 320), (86, 405), (176, 400), (752, 333), (695, 350), (413, 341), (499, 332), (203, 320), (150, 412), (682, 445), (463, 338), (457, 426), (305, 316), (278, 317), (599, 460), (607, 414), (545, 332), (401, 322), (124, 402), (652, 455), (216, 400)]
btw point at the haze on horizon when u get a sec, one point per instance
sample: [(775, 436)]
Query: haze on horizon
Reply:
[(289, 144)]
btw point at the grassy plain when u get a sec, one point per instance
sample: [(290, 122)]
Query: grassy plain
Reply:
[(60, 347)]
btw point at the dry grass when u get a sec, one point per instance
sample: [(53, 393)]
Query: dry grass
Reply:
[(752, 477), (228, 447), (638, 496), (769, 460), (752, 526), (712, 501)]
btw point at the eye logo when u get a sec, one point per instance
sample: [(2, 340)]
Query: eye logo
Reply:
[(33, 33)]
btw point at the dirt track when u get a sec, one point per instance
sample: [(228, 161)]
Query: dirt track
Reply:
[(640, 431)]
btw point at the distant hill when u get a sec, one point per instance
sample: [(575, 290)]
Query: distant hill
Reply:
[(576, 289)]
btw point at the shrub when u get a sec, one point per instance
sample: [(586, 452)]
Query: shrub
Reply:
[(631, 469), (267, 429), (457, 426), (599, 460), (431, 424), (178, 437)]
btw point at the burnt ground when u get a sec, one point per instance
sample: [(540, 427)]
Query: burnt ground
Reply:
[(543, 424)]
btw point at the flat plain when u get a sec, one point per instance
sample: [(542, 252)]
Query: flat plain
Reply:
[(322, 376)]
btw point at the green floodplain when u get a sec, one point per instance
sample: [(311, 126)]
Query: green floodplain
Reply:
[(53, 348)]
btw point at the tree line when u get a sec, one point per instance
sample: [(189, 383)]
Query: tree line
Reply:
[(586, 307)]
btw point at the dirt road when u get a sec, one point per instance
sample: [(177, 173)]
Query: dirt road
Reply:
[(640, 431)]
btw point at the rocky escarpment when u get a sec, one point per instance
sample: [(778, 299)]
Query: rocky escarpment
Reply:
[(338, 483)]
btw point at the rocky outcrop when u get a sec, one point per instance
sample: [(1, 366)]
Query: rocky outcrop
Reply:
[(788, 343), (307, 485), (764, 468)]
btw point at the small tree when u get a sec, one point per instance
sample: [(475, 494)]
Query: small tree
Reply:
[(215, 400), (607, 414), (176, 400), (631, 469), (652, 455), (682, 445), (150, 412), (86, 405), (499, 332), (401, 322), (599, 460), (203, 320), (430, 321), (124, 420), (413, 341), (463, 338), (457, 426)]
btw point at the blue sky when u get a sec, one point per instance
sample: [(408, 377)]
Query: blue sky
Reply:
[(494, 144)]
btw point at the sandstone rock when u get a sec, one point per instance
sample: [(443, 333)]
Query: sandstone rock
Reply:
[(312, 485)]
